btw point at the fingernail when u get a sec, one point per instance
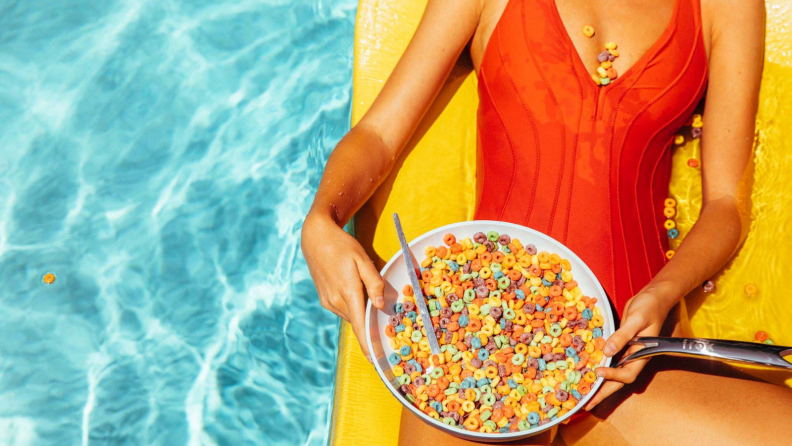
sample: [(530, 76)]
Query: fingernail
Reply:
[(600, 373), (609, 350), (380, 301), (369, 359)]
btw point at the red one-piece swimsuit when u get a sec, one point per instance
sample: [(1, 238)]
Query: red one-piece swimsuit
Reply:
[(587, 165)]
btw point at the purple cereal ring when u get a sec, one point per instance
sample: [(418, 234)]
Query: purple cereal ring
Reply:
[(529, 308), (531, 250), (502, 372), (405, 389), (475, 362), (504, 239), (489, 363), (509, 326), (408, 368), (611, 58), (544, 421), (466, 268), (443, 322), (547, 357), (498, 405), (526, 338), (490, 246), (561, 395), (482, 291), (446, 312), (419, 381), (603, 56), (394, 320), (479, 237), (478, 281), (533, 362), (449, 336), (496, 312), (520, 282), (559, 356), (547, 408), (408, 306), (695, 132), (512, 341)]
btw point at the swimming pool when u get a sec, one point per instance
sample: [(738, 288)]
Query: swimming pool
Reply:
[(158, 158)]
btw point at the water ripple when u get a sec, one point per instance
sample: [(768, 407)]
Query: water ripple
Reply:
[(159, 158)]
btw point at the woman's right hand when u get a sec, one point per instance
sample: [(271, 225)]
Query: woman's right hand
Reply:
[(341, 270)]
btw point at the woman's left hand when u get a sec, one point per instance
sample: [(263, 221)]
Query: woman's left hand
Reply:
[(644, 315)]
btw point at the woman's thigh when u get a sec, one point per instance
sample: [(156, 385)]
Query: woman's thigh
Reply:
[(674, 401), (688, 401)]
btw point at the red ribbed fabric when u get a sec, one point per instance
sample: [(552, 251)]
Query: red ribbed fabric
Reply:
[(585, 164)]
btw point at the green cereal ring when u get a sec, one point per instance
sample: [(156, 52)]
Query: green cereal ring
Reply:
[(416, 336), (453, 350), (488, 399), (437, 372), (495, 293), (457, 357), (404, 379), (474, 274), (565, 386), (546, 340), (409, 398), (552, 412), (522, 390), (523, 425), (438, 292), (546, 390), (485, 389), (508, 314), (485, 415), (493, 236), (561, 365), (491, 424), (434, 313), (449, 421), (465, 278), (555, 330), (469, 295), (518, 359), (457, 306), (484, 309), (478, 394), (450, 391), (550, 366), (496, 267)]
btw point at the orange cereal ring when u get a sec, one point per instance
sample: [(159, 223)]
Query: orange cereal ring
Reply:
[(449, 239), (456, 248), (530, 374), (390, 331), (552, 317), (408, 290), (599, 343), (546, 348), (555, 290), (583, 387), (514, 275), (426, 275), (475, 265), (441, 251), (571, 313), (557, 307), (433, 390), (507, 296), (466, 374), (556, 268), (453, 406), (534, 271), (497, 414), (485, 257), (461, 346), (442, 383), (571, 285), (508, 411), (541, 300), (453, 326), (529, 397), (566, 340), (497, 257), (491, 284), (474, 324)]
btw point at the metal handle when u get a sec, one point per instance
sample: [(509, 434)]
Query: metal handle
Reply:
[(715, 349)]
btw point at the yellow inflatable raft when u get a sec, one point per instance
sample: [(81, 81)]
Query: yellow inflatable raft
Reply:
[(364, 413)]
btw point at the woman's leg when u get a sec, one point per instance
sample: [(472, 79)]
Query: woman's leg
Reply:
[(687, 401)]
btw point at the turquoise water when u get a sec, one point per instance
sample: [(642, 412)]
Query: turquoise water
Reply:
[(158, 157)]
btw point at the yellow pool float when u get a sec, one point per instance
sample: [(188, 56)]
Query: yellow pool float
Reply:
[(364, 412)]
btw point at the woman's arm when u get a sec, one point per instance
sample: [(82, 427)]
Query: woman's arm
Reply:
[(364, 157), (735, 68)]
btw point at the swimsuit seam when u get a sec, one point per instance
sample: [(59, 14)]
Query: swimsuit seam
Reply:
[(574, 156), (511, 147)]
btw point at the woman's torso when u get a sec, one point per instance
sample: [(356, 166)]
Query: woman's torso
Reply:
[(586, 164)]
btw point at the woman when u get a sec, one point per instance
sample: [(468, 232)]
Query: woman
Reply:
[(588, 164)]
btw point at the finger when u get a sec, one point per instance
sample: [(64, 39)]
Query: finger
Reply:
[(622, 336), (357, 317), (625, 374), (608, 388), (375, 286), (329, 306)]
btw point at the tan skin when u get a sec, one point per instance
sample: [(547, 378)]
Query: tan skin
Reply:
[(734, 39)]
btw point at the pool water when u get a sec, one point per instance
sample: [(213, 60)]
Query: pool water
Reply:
[(158, 157)]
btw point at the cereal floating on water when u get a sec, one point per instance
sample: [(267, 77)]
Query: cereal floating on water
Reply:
[(519, 339), (48, 278), (751, 290)]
